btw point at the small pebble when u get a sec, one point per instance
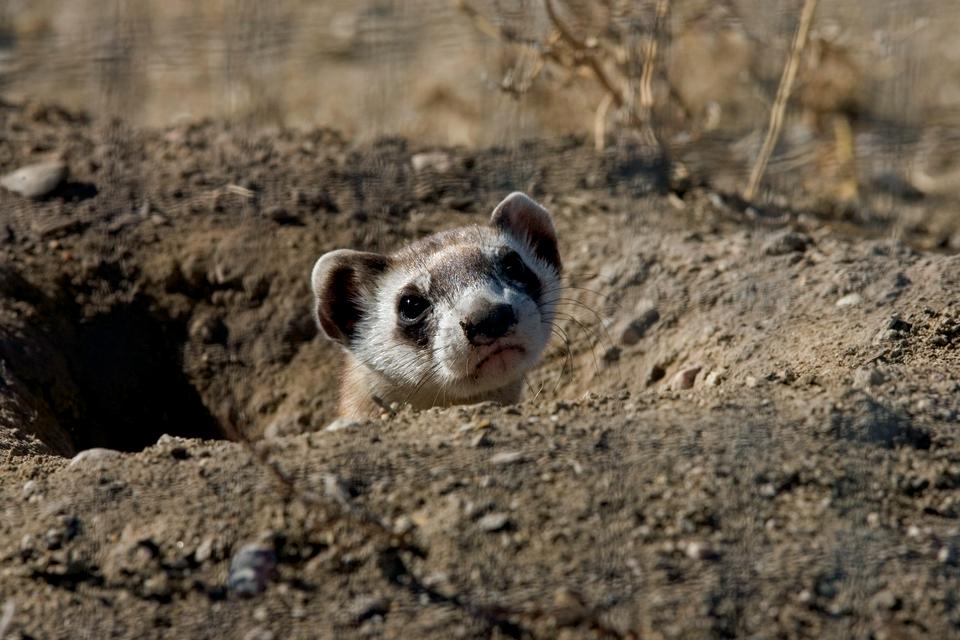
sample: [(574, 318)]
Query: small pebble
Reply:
[(342, 424), (493, 522), (251, 568), (204, 551), (698, 551), (334, 487), (714, 378), (849, 300), (947, 555), (431, 161), (366, 607), (684, 378), (896, 323), (507, 457), (482, 440), (90, 456), (655, 374), (885, 600), (887, 335), (30, 488), (786, 242), (637, 327), (35, 180), (751, 381)]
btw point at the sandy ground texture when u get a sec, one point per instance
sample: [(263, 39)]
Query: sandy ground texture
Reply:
[(750, 428)]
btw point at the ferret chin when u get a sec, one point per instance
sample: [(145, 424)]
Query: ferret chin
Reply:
[(454, 318)]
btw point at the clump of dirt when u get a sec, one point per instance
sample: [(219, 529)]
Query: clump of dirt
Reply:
[(747, 427)]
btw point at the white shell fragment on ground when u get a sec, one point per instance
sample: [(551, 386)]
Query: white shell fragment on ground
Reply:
[(35, 180)]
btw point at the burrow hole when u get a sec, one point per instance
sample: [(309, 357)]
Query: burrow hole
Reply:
[(130, 385)]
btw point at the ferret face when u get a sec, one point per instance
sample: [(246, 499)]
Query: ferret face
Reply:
[(453, 316)]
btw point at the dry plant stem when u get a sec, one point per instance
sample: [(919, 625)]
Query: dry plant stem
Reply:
[(649, 65), (600, 123), (586, 56), (783, 95), (650, 56)]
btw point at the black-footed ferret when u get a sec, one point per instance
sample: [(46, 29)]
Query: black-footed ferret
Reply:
[(454, 318)]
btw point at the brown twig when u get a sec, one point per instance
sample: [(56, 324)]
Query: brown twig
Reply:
[(600, 122), (780, 102), (585, 56), (606, 62)]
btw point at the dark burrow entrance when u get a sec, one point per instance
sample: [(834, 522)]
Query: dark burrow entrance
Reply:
[(112, 378), (126, 366)]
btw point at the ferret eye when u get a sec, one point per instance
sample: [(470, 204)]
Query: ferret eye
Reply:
[(513, 267), (411, 307)]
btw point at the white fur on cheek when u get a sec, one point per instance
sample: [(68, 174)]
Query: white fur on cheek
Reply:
[(400, 362)]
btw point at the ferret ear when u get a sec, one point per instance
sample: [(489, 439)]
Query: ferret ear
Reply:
[(341, 280), (520, 216)]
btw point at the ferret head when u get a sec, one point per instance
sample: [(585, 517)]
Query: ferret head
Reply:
[(454, 315)]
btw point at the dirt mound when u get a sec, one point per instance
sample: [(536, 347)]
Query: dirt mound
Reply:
[(747, 425)]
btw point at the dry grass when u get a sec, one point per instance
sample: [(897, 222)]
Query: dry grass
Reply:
[(779, 107), (606, 60)]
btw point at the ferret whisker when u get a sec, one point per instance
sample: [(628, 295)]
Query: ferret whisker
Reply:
[(568, 360), (429, 375), (594, 342), (530, 388), (601, 326), (561, 286), (575, 302)]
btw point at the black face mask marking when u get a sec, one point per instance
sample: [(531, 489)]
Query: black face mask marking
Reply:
[(414, 318), (512, 269)]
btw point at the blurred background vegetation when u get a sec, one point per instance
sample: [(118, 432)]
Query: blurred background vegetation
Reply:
[(873, 121)]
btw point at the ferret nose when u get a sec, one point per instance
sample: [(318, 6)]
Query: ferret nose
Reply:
[(489, 324)]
